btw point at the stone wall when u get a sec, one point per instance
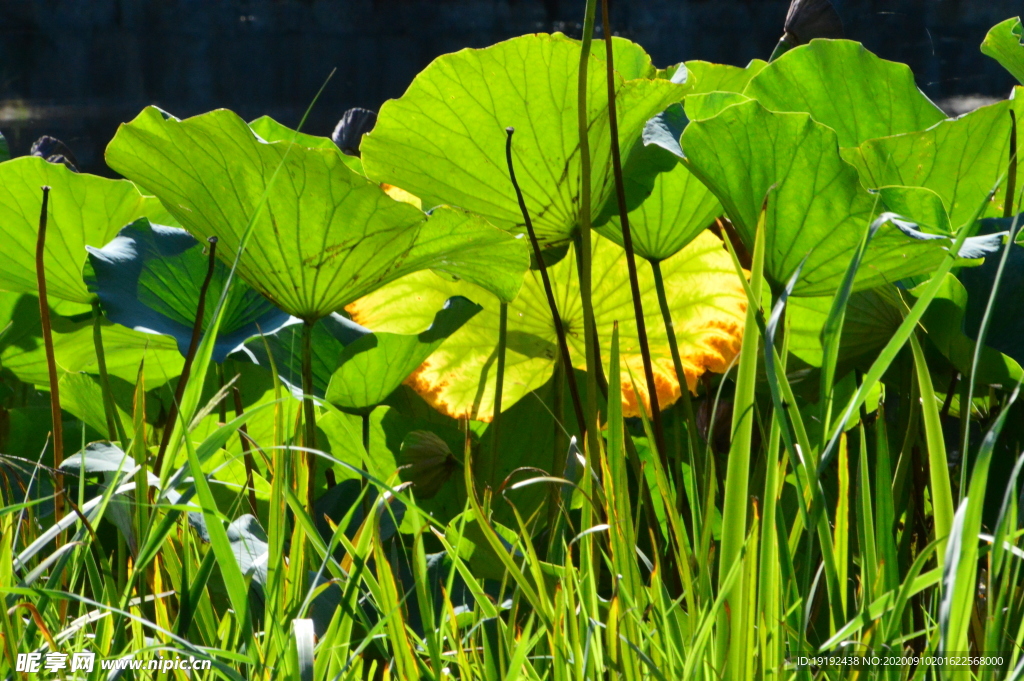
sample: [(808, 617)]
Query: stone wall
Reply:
[(76, 68)]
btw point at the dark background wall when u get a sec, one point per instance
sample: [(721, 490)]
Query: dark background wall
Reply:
[(76, 68)]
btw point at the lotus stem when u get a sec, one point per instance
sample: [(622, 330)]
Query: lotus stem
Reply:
[(498, 387), (51, 363), (115, 429), (677, 363), (308, 413), (364, 481), (243, 435), (222, 407), (584, 252), (563, 346), (1011, 172), (186, 369), (627, 243)]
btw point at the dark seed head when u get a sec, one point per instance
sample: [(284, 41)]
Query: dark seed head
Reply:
[(510, 130), (212, 240)]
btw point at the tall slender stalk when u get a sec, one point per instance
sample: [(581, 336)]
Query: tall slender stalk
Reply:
[(583, 250), (559, 328), (308, 413), (51, 363), (499, 386), (677, 364), (115, 429), (243, 435), (965, 406), (364, 420), (186, 369), (735, 502), (1011, 172), (627, 243)]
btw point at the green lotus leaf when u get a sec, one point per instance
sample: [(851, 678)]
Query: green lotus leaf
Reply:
[(82, 396), (326, 235), (667, 205), (5, 149), (817, 208), (22, 352), (84, 210), (1007, 322), (872, 317), (710, 104), (1005, 44), (150, 276), (678, 208), (352, 366), (374, 365), (920, 204), (444, 139), (948, 322), (960, 159), (846, 87), (271, 131), (708, 77), (704, 293)]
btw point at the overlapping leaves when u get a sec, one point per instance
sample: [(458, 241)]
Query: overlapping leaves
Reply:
[(84, 210), (150, 278), (816, 206), (846, 87), (459, 379), (444, 139), (326, 235)]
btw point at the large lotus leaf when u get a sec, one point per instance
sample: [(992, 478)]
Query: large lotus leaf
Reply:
[(955, 308), (677, 208), (872, 317), (1005, 44), (326, 235), (271, 131), (84, 210), (703, 292), (846, 87), (352, 366), (444, 139), (817, 208), (960, 159), (150, 276), (22, 352), (709, 77), (667, 205)]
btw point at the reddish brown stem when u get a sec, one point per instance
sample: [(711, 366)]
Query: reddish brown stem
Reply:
[(559, 329), (51, 363), (243, 434), (627, 244)]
